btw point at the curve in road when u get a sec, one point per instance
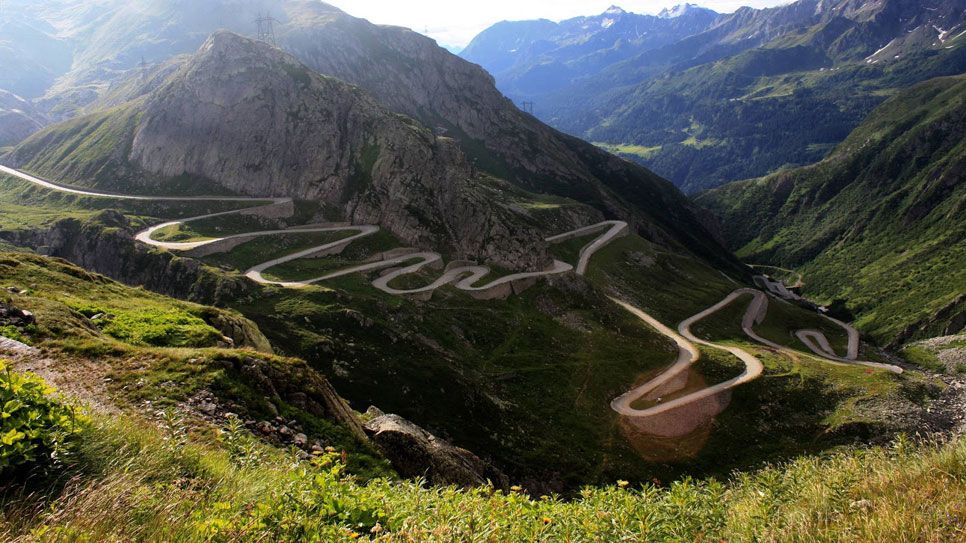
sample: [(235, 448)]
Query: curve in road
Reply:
[(669, 380)]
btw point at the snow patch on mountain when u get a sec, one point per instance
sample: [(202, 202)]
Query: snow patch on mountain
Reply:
[(677, 11)]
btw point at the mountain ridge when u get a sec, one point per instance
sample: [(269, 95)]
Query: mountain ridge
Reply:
[(317, 138), (410, 74)]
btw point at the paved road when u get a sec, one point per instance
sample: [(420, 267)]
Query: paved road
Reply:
[(82, 192), (799, 283), (466, 278), (689, 353), (615, 229)]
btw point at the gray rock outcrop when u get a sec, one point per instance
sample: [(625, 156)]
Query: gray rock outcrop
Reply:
[(251, 118), (414, 452)]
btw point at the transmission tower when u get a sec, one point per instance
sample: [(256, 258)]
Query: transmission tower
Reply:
[(143, 65), (528, 107), (266, 29)]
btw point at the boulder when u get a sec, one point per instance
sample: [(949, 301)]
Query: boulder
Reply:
[(414, 452)]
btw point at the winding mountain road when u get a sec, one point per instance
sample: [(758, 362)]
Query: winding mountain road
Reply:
[(466, 277)]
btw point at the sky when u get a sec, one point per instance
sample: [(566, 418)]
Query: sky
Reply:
[(455, 22)]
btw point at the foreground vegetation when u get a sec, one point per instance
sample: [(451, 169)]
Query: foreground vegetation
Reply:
[(130, 481)]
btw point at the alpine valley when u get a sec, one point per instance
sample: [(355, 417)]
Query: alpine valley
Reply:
[(272, 272)]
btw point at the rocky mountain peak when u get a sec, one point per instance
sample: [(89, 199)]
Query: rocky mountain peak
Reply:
[(250, 117), (677, 11)]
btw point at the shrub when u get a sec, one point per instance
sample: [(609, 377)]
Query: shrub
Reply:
[(162, 329), (34, 427)]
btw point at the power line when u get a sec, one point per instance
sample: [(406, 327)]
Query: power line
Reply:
[(266, 29)]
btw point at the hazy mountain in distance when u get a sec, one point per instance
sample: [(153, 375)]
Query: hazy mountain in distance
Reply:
[(533, 58), (758, 89)]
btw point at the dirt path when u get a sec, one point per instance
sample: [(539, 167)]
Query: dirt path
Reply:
[(81, 380)]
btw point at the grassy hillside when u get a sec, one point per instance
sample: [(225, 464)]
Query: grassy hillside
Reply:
[(756, 112), (134, 481), (127, 349), (879, 225), (147, 464)]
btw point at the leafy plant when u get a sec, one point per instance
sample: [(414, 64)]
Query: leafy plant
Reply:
[(243, 449), (317, 504), (34, 427)]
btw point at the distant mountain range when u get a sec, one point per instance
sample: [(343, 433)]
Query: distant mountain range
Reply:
[(705, 98), (533, 58)]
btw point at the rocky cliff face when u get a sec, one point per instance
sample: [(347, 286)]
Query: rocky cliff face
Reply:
[(105, 245), (411, 74), (414, 452)]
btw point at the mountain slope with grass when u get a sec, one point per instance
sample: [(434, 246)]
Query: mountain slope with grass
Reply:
[(879, 225), (18, 119)]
